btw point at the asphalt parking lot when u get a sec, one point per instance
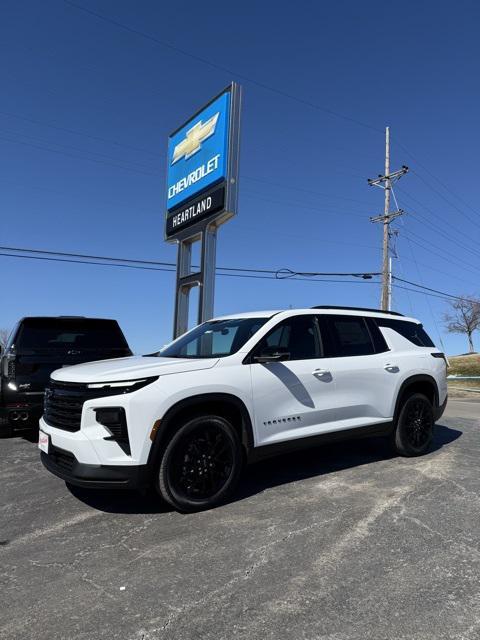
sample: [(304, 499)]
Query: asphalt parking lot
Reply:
[(343, 542)]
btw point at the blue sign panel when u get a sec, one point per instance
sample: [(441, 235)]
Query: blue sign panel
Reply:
[(198, 152)]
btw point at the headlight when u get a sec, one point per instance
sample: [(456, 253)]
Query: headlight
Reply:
[(122, 386)]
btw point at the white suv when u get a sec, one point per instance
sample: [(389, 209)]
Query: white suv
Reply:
[(239, 388)]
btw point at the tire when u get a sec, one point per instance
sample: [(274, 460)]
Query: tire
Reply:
[(414, 427), (200, 465)]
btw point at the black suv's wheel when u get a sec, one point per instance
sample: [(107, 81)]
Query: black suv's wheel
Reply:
[(414, 429), (201, 464)]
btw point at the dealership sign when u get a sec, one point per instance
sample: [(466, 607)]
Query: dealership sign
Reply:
[(202, 167)]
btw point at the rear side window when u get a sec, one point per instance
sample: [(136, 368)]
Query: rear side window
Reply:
[(412, 331), (351, 336)]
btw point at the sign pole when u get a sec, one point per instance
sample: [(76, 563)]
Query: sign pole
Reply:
[(209, 260), (202, 188), (182, 293)]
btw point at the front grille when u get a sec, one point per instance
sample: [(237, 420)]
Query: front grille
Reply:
[(63, 459), (64, 403)]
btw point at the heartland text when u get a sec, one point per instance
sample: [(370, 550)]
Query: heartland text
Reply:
[(191, 212)]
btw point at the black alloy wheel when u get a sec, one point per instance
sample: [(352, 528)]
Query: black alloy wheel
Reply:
[(201, 464), (414, 430)]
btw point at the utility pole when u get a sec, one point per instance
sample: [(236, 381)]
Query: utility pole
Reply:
[(385, 182)]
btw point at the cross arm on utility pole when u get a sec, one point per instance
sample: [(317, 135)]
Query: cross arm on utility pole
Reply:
[(385, 181), (386, 219)]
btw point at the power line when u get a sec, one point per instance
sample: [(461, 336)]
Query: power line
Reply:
[(420, 286), (71, 155), (132, 169), (268, 274), (79, 133), (72, 148), (219, 67), (309, 191), (440, 182), (457, 261), (300, 205), (413, 255), (423, 293), (473, 221), (33, 187), (163, 269), (278, 273), (421, 280), (437, 218)]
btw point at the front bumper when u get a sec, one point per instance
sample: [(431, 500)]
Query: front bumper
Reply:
[(64, 465)]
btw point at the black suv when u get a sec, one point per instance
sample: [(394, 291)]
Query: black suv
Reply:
[(39, 345)]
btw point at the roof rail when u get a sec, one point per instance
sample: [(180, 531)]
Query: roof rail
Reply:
[(327, 306)]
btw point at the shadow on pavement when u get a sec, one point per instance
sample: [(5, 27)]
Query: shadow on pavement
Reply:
[(120, 501), (269, 473), (326, 459)]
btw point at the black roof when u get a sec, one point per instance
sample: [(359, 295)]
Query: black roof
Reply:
[(327, 306)]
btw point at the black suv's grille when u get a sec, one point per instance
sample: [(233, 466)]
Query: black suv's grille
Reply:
[(64, 403)]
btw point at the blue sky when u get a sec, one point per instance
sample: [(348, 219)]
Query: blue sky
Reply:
[(87, 107)]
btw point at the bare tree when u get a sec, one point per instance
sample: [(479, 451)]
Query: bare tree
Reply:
[(464, 317)]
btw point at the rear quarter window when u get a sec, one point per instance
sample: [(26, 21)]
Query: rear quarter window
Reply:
[(412, 331)]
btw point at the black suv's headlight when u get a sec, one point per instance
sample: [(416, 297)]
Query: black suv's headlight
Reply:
[(122, 386)]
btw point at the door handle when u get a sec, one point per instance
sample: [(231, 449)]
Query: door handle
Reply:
[(321, 373), (391, 368)]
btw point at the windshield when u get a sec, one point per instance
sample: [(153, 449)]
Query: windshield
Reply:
[(40, 334), (214, 339)]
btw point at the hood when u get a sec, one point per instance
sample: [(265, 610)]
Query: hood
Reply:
[(131, 368)]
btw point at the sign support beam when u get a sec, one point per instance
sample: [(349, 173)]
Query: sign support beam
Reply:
[(208, 268), (188, 279)]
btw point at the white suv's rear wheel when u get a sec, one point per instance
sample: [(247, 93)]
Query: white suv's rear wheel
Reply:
[(200, 465), (414, 429)]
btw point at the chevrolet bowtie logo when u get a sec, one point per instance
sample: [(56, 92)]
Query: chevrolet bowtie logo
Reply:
[(194, 138)]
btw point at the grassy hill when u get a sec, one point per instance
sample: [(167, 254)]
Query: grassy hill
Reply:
[(468, 365), (465, 365)]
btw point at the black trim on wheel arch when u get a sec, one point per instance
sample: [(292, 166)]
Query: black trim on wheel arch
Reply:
[(438, 411), (194, 402), (412, 381)]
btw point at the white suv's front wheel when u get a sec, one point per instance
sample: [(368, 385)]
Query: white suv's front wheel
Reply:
[(413, 433), (200, 465)]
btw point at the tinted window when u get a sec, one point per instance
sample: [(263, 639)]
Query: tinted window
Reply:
[(412, 331), (214, 339), (377, 336), (351, 336), (298, 335), (40, 334)]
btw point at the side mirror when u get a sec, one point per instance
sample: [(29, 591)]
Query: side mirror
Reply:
[(272, 355)]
